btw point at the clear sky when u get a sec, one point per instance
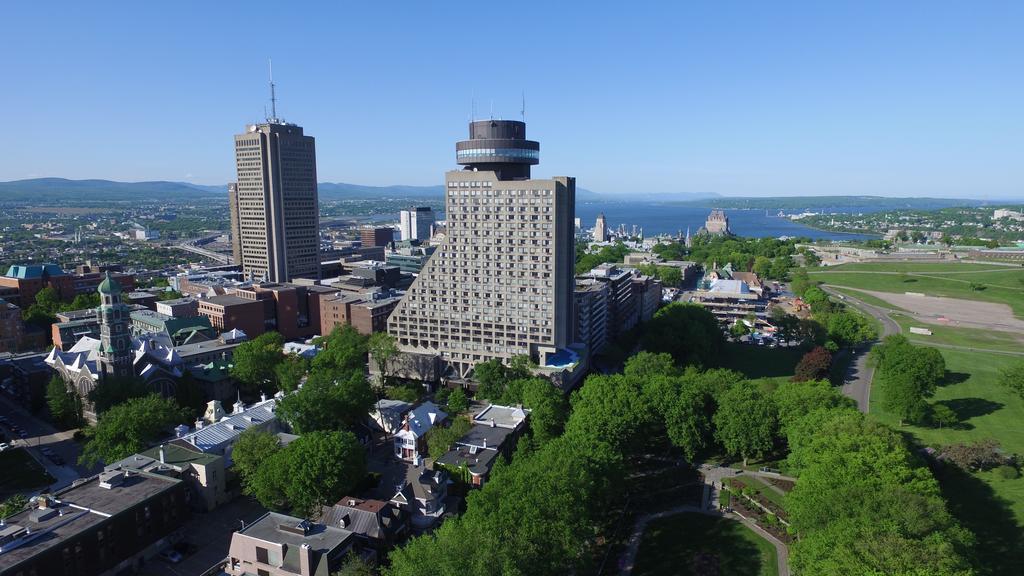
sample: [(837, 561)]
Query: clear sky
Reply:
[(736, 98)]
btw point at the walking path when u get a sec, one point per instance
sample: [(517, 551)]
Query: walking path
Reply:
[(713, 476), (857, 383)]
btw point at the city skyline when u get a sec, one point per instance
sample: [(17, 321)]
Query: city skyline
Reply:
[(737, 101)]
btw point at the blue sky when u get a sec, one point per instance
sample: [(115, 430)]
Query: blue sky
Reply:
[(735, 98)]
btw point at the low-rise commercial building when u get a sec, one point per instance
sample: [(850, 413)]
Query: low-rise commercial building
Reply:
[(107, 524), (229, 312)]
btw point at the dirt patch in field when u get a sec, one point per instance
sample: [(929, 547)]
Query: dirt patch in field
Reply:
[(955, 311)]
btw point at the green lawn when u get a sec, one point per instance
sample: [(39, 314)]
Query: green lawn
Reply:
[(958, 336), (993, 508), (761, 486), (866, 298), (1003, 284), (679, 545), (21, 472), (760, 361)]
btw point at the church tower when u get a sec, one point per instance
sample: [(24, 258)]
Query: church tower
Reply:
[(115, 354)]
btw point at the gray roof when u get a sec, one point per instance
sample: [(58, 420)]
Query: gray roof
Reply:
[(321, 538), (374, 519), (92, 505), (215, 437), (502, 416)]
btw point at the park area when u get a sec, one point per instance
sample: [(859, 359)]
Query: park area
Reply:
[(21, 473), (979, 282), (697, 544)]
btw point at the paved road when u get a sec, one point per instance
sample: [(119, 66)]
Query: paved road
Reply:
[(858, 378), (211, 533), (42, 434)]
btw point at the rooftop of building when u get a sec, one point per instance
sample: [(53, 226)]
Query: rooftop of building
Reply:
[(194, 348), (214, 436), (502, 416), (227, 300), (178, 301), (294, 532), (369, 517), (74, 510), (30, 271)]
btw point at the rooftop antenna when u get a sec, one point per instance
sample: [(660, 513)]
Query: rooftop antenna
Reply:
[(273, 95), (492, 108), (523, 110)]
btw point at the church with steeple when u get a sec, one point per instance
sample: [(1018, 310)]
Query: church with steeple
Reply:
[(92, 362)]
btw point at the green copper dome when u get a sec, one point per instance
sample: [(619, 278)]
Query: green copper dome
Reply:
[(109, 286)]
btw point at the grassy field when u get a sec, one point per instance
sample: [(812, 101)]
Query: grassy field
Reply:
[(680, 545), (958, 336), (21, 473), (867, 298), (760, 361), (992, 507), (1003, 284)]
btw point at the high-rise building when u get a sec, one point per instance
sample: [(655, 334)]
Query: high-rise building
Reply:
[(371, 236), (501, 283), (416, 223), (600, 228), (236, 238), (276, 194)]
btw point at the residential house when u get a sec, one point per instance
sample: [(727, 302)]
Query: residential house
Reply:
[(280, 545), (423, 495), (410, 441), (378, 525), (494, 433)]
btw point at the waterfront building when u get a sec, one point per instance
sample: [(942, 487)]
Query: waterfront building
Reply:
[(600, 228), (501, 283), (717, 224)]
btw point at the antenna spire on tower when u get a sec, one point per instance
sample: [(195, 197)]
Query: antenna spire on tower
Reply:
[(523, 110), (273, 94)]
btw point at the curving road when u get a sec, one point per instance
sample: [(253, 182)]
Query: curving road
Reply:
[(858, 378)]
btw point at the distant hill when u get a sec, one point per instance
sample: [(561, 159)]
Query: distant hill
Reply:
[(54, 190), (837, 203), (57, 190)]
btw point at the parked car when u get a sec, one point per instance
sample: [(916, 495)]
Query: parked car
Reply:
[(170, 555), (4, 446)]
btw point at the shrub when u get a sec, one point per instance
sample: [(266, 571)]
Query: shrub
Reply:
[(1007, 472)]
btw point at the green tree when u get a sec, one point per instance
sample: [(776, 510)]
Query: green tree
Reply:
[(189, 394), (762, 266), (290, 371), (800, 282), (328, 401), (48, 299), (739, 329), (129, 428), (13, 505), (382, 348), (1012, 378), (322, 467), (65, 404), (548, 409), (746, 421), (254, 362), (943, 415), (344, 350), (850, 328), (114, 391), (457, 401), (688, 332), (441, 439), (354, 565), (670, 276), (251, 450), (688, 412), (795, 400)]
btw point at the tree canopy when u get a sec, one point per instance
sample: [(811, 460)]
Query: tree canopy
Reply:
[(130, 427), (689, 332), (254, 363)]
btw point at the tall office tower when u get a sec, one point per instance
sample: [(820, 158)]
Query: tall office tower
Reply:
[(236, 240), (278, 215), (600, 228), (501, 282), (416, 223)]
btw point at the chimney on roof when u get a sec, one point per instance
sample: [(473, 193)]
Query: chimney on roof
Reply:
[(305, 559), (492, 423), (163, 455), (485, 443), (199, 424)]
